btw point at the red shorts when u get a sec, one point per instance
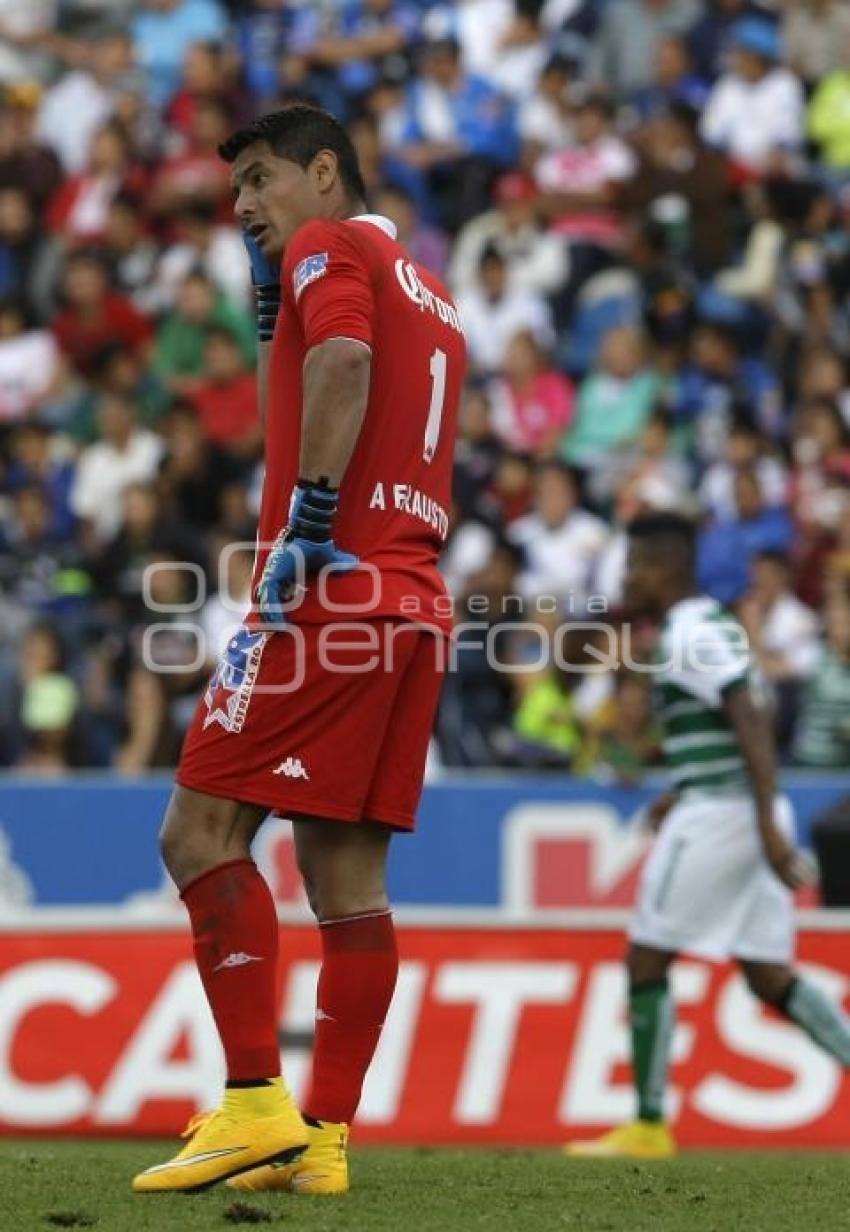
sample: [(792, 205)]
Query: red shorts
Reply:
[(321, 720)]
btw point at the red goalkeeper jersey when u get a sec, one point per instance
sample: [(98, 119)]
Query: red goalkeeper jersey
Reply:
[(351, 279)]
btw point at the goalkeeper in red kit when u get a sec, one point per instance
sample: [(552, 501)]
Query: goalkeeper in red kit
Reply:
[(322, 705)]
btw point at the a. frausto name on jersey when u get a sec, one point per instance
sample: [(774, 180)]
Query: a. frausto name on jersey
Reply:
[(409, 500), (415, 289)]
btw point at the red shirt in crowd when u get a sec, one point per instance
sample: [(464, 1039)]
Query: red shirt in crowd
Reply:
[(83, 339), (227, 410)]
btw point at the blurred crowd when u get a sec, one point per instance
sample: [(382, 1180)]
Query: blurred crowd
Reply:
[(642, 208)]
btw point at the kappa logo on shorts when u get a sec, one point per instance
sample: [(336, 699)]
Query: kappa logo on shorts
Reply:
[(292, 768), (229, 691), (308, 271), (239, 959)]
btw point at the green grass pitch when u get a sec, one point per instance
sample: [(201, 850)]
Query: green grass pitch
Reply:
[(82, 1184)]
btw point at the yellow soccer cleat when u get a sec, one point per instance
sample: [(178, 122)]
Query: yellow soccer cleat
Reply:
[(322, 1169), (230, 1140), (637, 1140)]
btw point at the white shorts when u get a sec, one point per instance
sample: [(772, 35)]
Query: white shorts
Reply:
[(707, 890)]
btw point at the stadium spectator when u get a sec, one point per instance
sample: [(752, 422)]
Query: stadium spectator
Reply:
[(130, 250), (816, 36), (94, 316), (368, 37), (79, 211), (520, 55), (544, 119), (195, 474), (223, 613), (580, 183), (674, 163), (458, 133), (476, 26), (727, 548), (209, 73), (829, 116), (42, 567), (425, 243), (31, 369), (745, 448), (784, 630), (545, 722), (536, 258), (822, 738), (24, 264), (151, 738), (755, 112), (180, 342), (653, 462), (26, 32), (38, 458), (709, 36), (25, 161), (225, 399), (48, 704), (674, 82), (198, 242), (561, 543), (622, 741), (614, 401), (532, 405), (473, 724), (477, 455), (625, 49), (195, 174), (146, 535), (493, 312), (718, 383), (123, 454), (82, 102), (163, 31)]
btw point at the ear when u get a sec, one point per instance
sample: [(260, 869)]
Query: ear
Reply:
[(324, 171)]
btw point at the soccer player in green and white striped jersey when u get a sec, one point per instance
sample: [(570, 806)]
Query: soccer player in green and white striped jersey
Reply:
[(719, 881)]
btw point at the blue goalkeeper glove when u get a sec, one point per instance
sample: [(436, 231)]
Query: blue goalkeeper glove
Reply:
[(301, 550), (265, 275)]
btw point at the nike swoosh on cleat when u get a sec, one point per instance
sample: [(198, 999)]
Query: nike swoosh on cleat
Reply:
[(195, 1159), (304, 1178)]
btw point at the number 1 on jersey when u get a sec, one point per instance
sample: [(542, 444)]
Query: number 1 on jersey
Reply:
[(435, 411)]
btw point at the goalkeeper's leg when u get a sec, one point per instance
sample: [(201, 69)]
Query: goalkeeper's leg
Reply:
[(344, 867), (206, 846)]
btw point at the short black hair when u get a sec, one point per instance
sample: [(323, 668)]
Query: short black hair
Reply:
[(298, 132), (491, 252), (680, 112), (773, 556), (673, 536)]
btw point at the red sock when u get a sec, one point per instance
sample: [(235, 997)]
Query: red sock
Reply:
[(356, 985), (234, 924)]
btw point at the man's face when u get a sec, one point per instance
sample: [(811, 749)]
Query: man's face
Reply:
[(274, 196), (747, 65), (555, 497), (769, 580), (747, 496), (641, 585)]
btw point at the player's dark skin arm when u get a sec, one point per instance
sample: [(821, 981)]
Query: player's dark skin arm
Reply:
[(755, 740), (336, 390)]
